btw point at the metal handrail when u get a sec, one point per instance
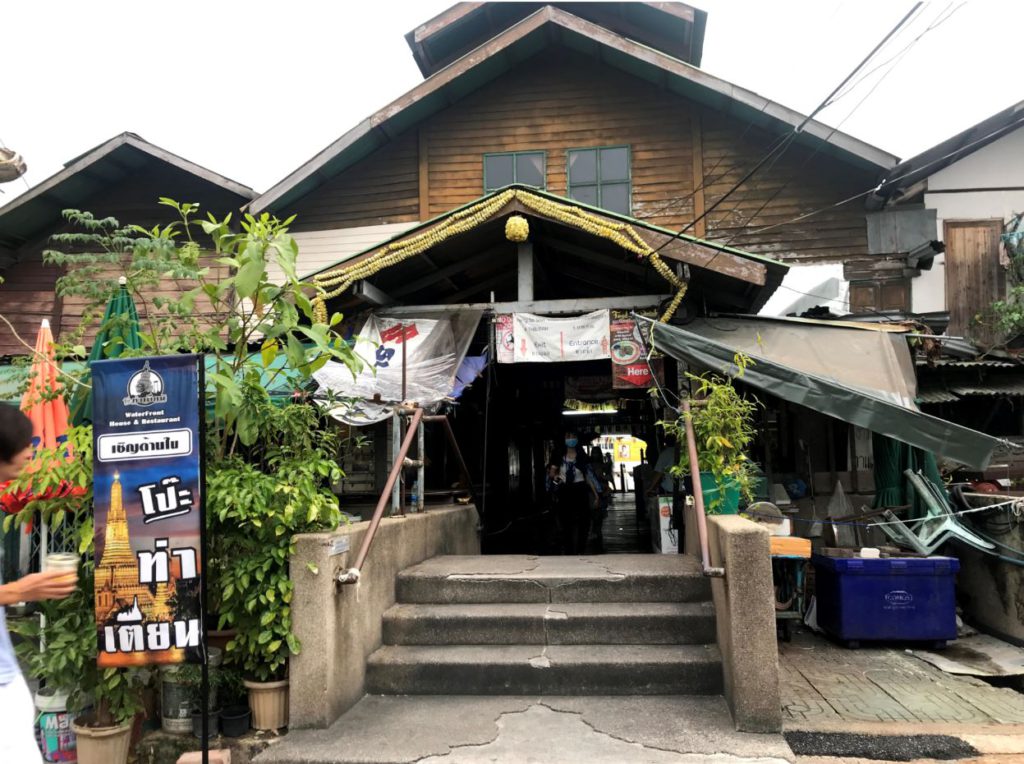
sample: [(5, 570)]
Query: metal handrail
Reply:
[(698, 498), (351, 576), (415, 430)]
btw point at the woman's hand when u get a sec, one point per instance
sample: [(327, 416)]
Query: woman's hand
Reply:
[(49, 585)]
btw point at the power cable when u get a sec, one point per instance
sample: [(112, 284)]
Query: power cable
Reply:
[(998, 132), (796, 130)]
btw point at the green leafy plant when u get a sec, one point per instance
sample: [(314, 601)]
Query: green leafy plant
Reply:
[(68, 629), (259, 498), (269, 462), (723, 427)]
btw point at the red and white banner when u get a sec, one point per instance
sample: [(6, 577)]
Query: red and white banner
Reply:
[(631, 366), (543, 339)]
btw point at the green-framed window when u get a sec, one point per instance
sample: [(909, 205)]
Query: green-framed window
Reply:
[(508, 167), (600, 177)]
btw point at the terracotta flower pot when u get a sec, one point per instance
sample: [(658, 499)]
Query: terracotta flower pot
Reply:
[(103, 745), (269, 704)]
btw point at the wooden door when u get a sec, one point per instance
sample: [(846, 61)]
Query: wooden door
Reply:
[(974, 277)]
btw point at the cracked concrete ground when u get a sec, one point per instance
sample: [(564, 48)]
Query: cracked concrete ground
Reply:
[(552, 730)]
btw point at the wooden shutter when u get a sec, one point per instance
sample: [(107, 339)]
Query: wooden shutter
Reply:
[(974, 277)]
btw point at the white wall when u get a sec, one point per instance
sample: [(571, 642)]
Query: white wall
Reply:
[(321, 249), (966, 192)]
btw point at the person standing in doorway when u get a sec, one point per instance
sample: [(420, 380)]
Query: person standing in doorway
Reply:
[(567, 471), (17, 714)]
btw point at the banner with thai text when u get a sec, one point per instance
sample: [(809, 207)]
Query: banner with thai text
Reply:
[(545, 339), (148, 510)]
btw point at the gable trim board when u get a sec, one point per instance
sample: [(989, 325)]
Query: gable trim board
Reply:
[(547, 26)]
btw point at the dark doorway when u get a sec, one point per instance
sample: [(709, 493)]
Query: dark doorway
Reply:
[(527, 420)]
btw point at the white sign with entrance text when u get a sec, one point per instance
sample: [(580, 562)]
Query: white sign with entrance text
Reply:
[(543, 339)]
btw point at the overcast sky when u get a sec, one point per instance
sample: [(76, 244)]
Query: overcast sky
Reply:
[(253, 89)]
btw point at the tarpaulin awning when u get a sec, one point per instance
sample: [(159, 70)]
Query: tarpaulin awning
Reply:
[(832, 369)]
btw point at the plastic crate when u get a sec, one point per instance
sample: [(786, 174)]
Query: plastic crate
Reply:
[(895, 599)]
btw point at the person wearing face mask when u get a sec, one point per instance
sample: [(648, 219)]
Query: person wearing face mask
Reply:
[(567, 476)]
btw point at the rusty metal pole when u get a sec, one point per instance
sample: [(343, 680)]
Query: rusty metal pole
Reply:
[(351, 575), (698, 496)]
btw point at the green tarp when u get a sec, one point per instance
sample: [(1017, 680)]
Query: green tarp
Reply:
[(826, 392)]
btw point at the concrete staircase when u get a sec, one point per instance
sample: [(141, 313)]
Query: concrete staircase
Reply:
[(516, 625)]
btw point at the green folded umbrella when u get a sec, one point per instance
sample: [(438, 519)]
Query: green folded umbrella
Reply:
[(118, 332), (892, 488)]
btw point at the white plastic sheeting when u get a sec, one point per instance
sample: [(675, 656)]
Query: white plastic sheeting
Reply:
[(432, 345)]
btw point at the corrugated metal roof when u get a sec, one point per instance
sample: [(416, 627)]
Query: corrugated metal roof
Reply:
[(995, 388), (984, 362), (936, 396)]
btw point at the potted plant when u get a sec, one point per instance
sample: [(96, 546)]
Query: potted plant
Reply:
[(723, 427), (260, 497), (235, 716)]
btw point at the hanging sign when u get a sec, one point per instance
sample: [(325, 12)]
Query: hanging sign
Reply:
[(148, 510), (631, 367), (545, 339), (504, 340)]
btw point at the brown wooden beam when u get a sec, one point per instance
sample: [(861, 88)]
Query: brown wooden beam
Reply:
[(697, 152), (424, 175)]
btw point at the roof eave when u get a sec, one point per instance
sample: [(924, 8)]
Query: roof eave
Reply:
[(84, 161)]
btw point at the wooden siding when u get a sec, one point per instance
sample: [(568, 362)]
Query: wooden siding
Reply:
[(684, 157), (26, 297), (799, 182), (974, 277), (133, 200), (383, 188), (586, 105)]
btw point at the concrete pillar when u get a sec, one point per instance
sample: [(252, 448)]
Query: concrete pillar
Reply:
[(745, 614)]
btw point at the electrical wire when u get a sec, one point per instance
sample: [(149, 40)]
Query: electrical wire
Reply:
[(889, 181), (895, 60), (796, 130)]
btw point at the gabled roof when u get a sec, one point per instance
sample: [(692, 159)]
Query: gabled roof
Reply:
[(930, 161), (673, 28), (464, 236), (23, 218), (547, 26)]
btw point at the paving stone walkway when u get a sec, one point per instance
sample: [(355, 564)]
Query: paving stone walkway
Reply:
[(824, 683)]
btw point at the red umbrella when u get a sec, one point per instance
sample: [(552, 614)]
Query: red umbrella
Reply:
[(43, 403)]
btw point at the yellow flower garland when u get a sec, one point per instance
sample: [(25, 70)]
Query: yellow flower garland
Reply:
[(336, 282), (517, 228)]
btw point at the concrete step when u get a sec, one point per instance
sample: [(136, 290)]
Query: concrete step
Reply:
[(551, 670), (521, 578), (571, 623)]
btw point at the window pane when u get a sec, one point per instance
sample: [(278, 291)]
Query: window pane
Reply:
[(615, 197), (585, 194), (498, 171), (582, 167), (530, 169), (614, 164)]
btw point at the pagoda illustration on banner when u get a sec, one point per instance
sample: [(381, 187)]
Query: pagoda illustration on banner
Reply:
[(119, 595)]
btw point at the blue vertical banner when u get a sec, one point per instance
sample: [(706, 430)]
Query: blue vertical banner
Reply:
[(148, 503)]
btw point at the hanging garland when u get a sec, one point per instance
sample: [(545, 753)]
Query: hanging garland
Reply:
[(336, 282), (620, 404)]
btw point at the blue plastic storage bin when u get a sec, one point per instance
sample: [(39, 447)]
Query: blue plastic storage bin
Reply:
[(899, 598)]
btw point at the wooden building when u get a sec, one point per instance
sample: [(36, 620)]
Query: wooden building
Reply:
[(123, 177), (602, 106)]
